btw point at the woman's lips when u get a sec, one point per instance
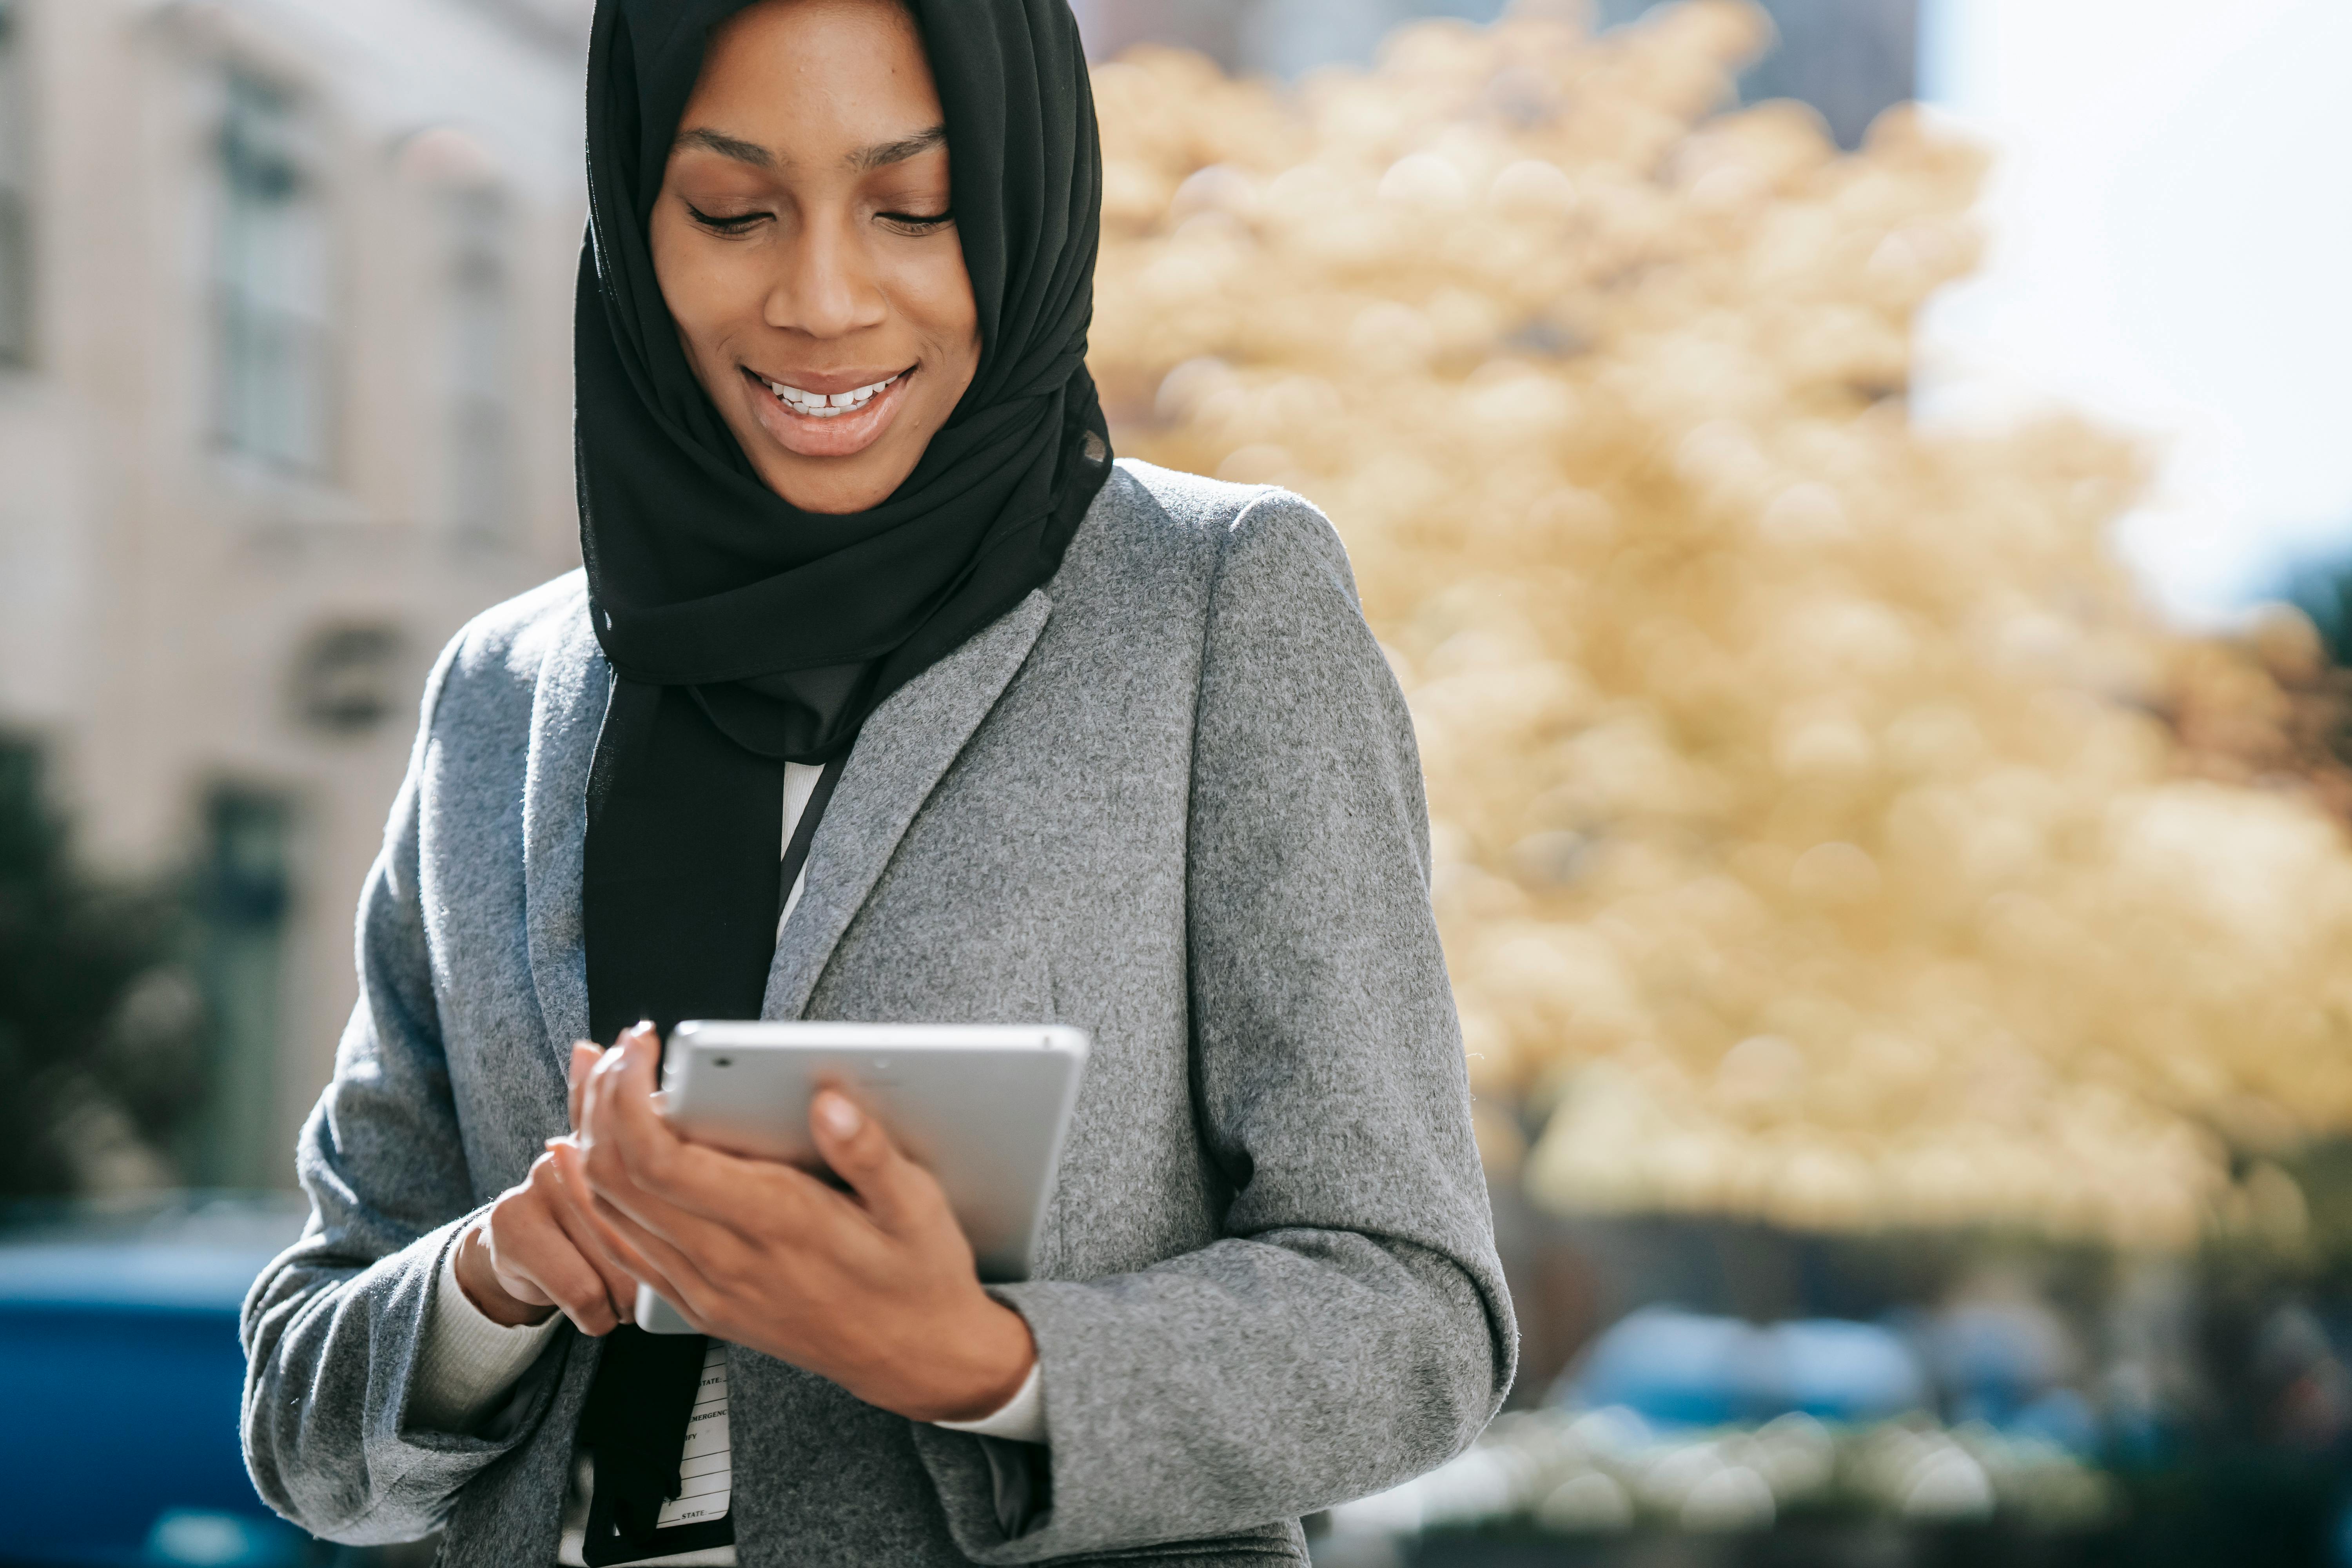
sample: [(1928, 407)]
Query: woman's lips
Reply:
[(840, 435)]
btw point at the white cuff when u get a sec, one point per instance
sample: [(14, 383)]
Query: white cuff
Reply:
[(468, 1361), (1022, 1419)]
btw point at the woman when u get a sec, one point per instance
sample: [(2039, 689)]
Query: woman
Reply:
[(875, 637)]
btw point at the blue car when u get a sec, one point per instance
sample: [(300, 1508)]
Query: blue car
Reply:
[(120, 1378)]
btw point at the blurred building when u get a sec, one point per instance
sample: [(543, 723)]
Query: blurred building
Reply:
[(1849, 58), (284, 315), (1284, 37)]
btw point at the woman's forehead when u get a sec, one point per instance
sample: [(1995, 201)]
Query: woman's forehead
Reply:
[(788, 82), (811, 45)]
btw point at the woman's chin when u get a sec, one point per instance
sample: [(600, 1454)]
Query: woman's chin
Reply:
[(843, 435)]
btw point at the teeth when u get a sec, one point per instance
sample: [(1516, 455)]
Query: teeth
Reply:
[(818, 406)]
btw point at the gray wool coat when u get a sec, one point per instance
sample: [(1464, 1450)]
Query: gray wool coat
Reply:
[(1172, 798)]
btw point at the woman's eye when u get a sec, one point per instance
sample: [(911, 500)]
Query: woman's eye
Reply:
[(917, 223), (736, 223)]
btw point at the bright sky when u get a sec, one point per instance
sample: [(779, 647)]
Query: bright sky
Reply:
[(2172, 248)]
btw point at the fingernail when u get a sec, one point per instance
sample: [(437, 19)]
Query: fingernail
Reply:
[(841, 1117)]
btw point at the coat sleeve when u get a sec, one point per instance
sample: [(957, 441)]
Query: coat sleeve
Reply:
[(1352, 1328), (333, 1329)]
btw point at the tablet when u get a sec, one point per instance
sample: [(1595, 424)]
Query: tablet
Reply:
[(983, 1107)]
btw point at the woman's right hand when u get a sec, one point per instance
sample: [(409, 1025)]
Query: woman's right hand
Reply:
[(535, 1251)]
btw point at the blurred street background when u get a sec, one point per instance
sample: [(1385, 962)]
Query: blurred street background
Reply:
[(1858, 494)]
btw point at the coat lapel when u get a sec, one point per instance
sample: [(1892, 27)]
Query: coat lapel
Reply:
[(567, 712), (905, 748)]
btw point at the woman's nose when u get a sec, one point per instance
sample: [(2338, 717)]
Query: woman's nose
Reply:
[(824, 288)]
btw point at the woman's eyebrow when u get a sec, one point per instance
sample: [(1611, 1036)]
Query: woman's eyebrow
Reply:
[(881, 156), (727, 146), (885, 153)]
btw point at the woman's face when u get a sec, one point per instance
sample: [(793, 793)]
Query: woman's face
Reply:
[(805, 248)]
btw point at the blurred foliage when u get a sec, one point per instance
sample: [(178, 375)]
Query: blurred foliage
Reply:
[(1600, 1473), (99, 1023), (1597, 1491), (2323, 1173), (2271, 708), (1825, 831)]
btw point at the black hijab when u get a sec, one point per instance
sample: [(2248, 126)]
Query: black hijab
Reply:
[(743, 632)]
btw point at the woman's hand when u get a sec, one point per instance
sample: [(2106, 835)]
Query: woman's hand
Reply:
[(540, 1248), (873, 1287)]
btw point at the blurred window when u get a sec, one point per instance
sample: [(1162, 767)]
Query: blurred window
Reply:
[(275, 397), (347, 678), (245, 894), (480, 359), (16, 175)]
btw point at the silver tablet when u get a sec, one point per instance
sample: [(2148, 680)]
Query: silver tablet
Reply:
[(983, 1107)]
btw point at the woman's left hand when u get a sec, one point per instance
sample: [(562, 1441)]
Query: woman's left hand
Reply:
[(874, 1288)]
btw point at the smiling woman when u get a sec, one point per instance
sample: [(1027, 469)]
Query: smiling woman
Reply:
[(805, 241), (885, 696)]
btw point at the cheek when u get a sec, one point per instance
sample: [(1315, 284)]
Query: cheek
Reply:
[(707, 290), (936, 296)]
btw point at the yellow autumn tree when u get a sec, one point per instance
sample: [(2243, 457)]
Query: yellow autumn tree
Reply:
[(1809, 843)]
